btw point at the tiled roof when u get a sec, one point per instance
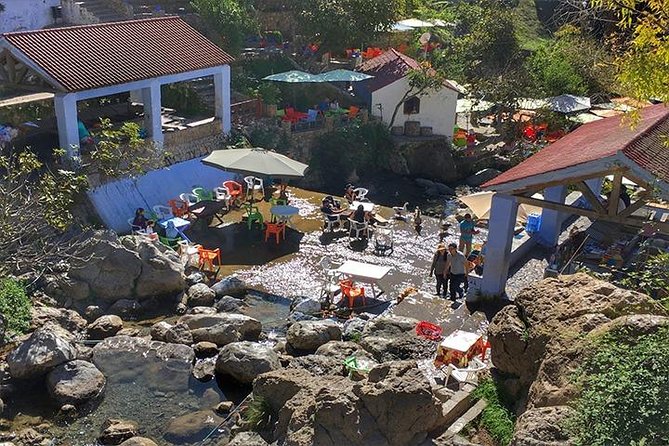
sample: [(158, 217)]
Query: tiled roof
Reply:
[(91, 56), (643, 144), (387, 68)]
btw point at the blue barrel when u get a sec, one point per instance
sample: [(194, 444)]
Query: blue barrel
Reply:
[(533, 222)]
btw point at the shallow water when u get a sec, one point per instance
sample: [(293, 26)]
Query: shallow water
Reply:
[(271, 310)]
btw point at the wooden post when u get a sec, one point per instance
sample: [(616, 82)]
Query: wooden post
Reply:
[(615, 193)]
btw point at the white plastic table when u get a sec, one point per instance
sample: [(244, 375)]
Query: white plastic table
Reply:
[(367, 206), (284, 212), (365, 272)]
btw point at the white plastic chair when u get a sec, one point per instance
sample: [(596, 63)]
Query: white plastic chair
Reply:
[(331, 220), (359, 229), (253, 184), (163, 212), (134, 229), (330, 286), (222, 194), (360, 193), (466, 375), (189, 198), (188, 253)]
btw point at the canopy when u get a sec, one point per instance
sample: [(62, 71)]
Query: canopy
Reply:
[(415, 23), (568, 103), (470, 105), (342, 75), (481, 202), (256, 161), (292, 77)]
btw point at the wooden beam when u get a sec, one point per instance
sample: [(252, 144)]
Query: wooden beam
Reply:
[(11, 68), (592, 199), (565, 181), (641, 200), (614, 197)]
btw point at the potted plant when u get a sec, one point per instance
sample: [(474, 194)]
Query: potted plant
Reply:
[(269, 93)]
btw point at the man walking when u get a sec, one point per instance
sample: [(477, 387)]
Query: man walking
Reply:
[(456, 264), (467, 232)]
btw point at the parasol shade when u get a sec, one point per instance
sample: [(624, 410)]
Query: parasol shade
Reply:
[(481, 202), (257, 162), (341, 75), (292, 77)]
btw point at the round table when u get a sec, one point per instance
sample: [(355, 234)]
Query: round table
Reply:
[(284, 212), (367, 206)]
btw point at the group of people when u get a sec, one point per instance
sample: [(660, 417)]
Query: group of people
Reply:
[(331, 208), (146, 225)]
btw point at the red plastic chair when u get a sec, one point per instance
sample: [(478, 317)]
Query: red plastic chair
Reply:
[(179, 207), (429, 330), (208, 257), (234, 188), (276, 229), (353, 112), (351, 292)]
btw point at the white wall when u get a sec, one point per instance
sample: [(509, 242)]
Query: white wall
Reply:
[(437, 109), (116, 202), (23, 15)]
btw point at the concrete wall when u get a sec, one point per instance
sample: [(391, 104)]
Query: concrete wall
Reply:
[(117, 201), (75, 14), (23, 15), (437, 109)]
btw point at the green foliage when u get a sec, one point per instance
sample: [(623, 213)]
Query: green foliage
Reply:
[(232, 19), (496, 418), (15, 307), (182, 97), (651, 277), (257, 414), (365, 147), (269, 93), (624, 387)]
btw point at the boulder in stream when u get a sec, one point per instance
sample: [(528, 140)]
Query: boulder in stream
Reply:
[(243, 361), (43, 351), (105, 326), (115, 431), (222, 328), (309, 335), (75, 382)]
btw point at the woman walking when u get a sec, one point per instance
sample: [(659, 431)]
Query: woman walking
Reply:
[(438, 268)]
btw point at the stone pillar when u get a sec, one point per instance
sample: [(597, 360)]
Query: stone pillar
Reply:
[(498, 247), (551, 221), (68, 130), (152, 115), (222, 98)]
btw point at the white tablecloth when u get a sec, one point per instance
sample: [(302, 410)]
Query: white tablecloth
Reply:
[(366, 205)]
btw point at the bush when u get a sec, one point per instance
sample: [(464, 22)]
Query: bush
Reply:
[(624, 395), (496, 418), (15, 306), (257, 414)]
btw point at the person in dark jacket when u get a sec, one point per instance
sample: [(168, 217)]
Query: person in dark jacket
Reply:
[(438, 268)]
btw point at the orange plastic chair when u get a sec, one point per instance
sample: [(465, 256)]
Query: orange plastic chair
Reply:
[(234, 188), (179, 207), (351, 292), (276, 229), (208, 257), (353, 111)]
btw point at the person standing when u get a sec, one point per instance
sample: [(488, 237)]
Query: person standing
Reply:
[(467, 232), (438, 268), (455, 263)]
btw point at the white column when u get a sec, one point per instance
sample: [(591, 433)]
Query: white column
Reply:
[(152, 118), (68, 130), (551, 220), (498, 247), (222, 98)]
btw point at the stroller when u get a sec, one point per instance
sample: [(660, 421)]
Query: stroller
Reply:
[(383, 241)]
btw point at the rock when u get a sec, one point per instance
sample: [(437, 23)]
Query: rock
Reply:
[(191, 427), (353, 328), (92, 312), (2, 406), (297, 316), (205, 349), (230, 285), (44, 350), (200, 295), (159, 330), (224, 407), (309, 335), (75, 382), (29, 437), (542, 427), (205, 369), (84, 352), (399, 347), (318, 365), (442, 189), (196, 277), (229, 304), (126, 308), (115, 431), (390, 326), (481, 177), (248, 439), (222, 328), (129, 332), (179, 334), (128, 266), (138, 441), (62, 287), (67, 319), (306, 305), (68, 410), (202, 310), (243, 361), (105, 326), (340, 350)]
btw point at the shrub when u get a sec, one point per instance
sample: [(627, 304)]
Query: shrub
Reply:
[(15, 306), (257, 414), (496, 418), (624, 387)]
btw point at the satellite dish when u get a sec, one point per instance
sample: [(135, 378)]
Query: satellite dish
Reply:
[(424, 38)]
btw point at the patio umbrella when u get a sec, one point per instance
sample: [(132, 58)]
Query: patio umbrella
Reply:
[(292, 77), (568, 103), (256, 161), (342, 75), (481, 202), (415, 23)]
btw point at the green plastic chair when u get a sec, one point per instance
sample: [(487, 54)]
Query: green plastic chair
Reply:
[(172, 243), (278, 201), (253, 215), (203, 194)]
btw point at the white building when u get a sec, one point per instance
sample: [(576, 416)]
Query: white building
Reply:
[(390, 83), (24, 15)]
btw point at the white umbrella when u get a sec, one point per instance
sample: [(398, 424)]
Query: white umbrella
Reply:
[(481, 202), (256, 161), (415, 23), (568, 103)]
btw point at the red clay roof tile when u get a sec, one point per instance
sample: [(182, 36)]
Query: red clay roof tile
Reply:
[(103, 54)]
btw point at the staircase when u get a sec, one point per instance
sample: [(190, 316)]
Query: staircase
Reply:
[(103, 10)]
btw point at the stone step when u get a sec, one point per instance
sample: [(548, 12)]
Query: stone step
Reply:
[(466, 418)]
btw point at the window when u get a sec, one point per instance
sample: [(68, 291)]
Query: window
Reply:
[(412, 106)]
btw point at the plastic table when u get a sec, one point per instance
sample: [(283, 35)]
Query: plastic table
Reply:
[(459, 347), (367, 206), (365, 272), (284, 212)]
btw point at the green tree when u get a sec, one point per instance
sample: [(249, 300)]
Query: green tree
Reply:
[(233, 20), (15, 307)]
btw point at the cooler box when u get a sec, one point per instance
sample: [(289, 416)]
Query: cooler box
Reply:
[(458, 348), (533, 223)]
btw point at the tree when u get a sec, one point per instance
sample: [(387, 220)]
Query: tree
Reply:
[(232, 19), (338, 24)]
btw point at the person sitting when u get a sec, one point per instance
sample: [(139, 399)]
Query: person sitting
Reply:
[(141, 221), (334, 105), (360, 215), (349, 193), (336, 204), (323, 106), (171, 232)]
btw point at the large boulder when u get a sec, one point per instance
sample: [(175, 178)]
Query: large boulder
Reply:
[(130, 266), (306, 305), (43, 351), (432, 159), (229, 304), (138, 441), (392, 338), (543, 426), (191, 427), (248, 439), (179, 334), (222, 328), (243, 361), (105, 326), (158, 331), (200, 295), (115, 431), (67, 319), (230, 285), (75, 382), (309, 335)]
